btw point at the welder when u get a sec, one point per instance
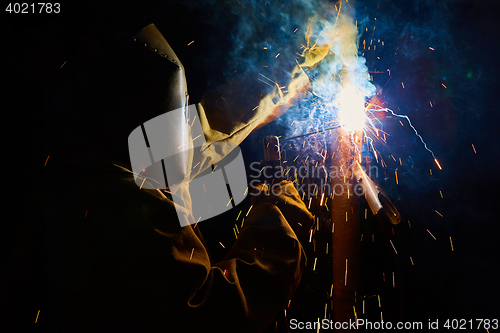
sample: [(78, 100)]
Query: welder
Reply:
[(118, 257)]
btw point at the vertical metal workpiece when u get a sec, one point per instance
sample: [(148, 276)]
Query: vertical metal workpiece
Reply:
[(346, 229)]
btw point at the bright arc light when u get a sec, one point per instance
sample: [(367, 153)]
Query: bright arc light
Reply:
[(351, 109)]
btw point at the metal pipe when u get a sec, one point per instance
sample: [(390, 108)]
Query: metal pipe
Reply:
[(345, 236)]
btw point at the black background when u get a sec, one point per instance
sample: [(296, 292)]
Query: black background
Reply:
[(442, 283)]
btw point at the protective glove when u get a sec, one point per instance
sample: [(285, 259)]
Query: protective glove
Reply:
[(287, 199)]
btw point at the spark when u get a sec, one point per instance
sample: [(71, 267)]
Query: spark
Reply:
[(190, 43), (437, 163), (416, 133), (194, 118), (445, 87), (49, 156), (451, 243), (411, 259), (249, 210), (222, 245), (314, 266), (345, 275), (238, 215), (38, 313), (64, 63), (474, 148), (191, 256), (143, 180), (393, 247), (438, 213), (431, 48), (431, 234)]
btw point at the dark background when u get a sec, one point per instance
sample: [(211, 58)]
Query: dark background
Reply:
[(464, 34)]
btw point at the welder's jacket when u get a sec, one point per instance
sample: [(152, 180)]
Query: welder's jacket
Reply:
[(118, 259)]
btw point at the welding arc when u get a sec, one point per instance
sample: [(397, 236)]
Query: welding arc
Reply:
[(317, 132)]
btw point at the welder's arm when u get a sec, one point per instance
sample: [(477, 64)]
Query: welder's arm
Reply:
[(128, 265), (243, 293), (257, 277), (267, 260), (263, 268), (233, 117)]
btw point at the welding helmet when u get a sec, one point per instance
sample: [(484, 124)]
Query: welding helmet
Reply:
[(170, 149), (162, 144)]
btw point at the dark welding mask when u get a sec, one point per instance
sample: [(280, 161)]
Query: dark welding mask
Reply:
[(170, 149)]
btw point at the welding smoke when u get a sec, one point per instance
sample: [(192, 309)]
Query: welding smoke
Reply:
[(331, 63), (261, 52), (339, 65)]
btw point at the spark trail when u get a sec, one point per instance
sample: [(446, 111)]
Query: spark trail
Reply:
[(414, 130)]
